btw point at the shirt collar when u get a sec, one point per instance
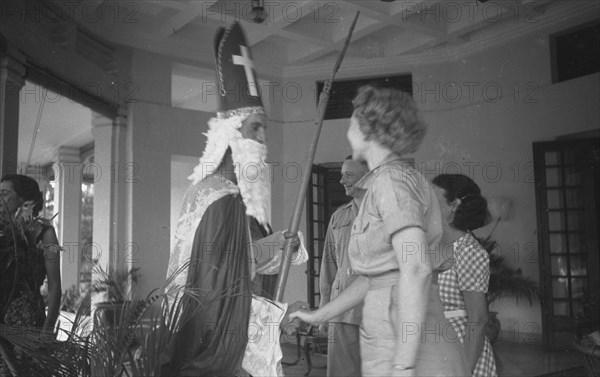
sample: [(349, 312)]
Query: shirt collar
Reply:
[(367, 179), (347, 205)]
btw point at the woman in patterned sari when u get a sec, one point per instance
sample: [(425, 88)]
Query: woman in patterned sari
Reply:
[(25, 267), (464, 285)]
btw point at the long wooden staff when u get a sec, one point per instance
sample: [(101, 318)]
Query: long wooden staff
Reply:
[(289, 248)]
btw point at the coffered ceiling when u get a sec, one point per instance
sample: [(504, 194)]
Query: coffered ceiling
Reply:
[(301, 34), (299, 37)]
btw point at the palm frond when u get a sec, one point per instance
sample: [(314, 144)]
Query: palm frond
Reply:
[(506, 281), (40, 352), (135, 343)]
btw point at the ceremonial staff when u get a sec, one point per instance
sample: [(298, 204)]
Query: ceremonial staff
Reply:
[(288, 248)]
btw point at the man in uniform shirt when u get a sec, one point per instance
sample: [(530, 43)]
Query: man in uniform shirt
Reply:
[(343, 354)]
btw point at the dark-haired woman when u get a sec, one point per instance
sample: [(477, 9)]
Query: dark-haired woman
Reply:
[(464, 285), (35, 257)]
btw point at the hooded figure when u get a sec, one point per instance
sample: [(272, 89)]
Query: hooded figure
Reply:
[(226, 206)]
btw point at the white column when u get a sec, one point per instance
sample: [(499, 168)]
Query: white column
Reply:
[(110, 197), (68, 177), (12, 72)]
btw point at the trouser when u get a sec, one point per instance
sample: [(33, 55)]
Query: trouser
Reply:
[(440, 352), (343, 350)]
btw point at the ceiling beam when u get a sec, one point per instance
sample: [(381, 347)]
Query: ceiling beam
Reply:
[(184, 16), (359, 32), (278, 24), (401, 19)]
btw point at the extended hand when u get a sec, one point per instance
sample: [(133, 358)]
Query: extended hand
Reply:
[(288, 325), (304, 316), (295, 240)]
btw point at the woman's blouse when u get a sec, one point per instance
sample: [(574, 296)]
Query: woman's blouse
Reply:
[(470, 272), (397, 197)]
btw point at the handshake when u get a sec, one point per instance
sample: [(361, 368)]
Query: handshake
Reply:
[(298, 317)]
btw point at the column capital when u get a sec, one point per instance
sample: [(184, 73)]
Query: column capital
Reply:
[(121, 118), (68, 154), (99, 120)]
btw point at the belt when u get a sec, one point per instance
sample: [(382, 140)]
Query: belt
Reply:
[(455, 313)]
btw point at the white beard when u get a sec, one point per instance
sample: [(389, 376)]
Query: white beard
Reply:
[(253, 177)]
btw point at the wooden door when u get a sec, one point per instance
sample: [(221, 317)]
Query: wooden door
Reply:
[(324, 195), (568, 213)]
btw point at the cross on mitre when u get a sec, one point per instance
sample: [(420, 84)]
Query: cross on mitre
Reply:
[(239, 92), (248, 64)]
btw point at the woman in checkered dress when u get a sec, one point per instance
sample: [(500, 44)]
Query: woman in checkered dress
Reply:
[(463, 286)]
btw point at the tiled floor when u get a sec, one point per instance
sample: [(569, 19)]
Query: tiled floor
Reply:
[(513, 360), (319, 363), (518, 359)]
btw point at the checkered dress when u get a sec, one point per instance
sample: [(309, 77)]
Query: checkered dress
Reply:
[(470, 272)]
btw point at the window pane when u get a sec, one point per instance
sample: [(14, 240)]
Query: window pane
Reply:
[(556, 221), (575, 220), (577, 243), (551, 158), (572, 157), (552, 177), (578, 308), (554, 199), (558, 243), (49, 200), (579, 287), (572, 176), (559, 265), (86, 232), (560, 288), (578, 266), (561, 308), (573, 197)]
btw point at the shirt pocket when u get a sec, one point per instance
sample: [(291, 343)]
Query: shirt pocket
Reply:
[(342, 225), (364, 234), (360, 225)]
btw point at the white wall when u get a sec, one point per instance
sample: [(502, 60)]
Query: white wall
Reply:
[(472, 131), (162, 138), (475, 131)]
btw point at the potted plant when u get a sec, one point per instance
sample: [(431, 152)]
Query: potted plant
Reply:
[(115, 285), (505, 281)]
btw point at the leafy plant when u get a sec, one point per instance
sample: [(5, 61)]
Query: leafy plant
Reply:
[(115, 283), (134, 345), (505, 280), (72, 299)]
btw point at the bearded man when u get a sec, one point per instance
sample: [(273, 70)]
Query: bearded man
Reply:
[(224, 209)]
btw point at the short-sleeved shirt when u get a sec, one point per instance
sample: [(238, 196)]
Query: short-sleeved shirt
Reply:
[(470, 273), (397, 197), (336, 273)]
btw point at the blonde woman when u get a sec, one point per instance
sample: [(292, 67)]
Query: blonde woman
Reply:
[(403, 330)]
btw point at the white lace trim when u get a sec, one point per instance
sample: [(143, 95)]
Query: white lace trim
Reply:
[(192, 212), (220, 133)]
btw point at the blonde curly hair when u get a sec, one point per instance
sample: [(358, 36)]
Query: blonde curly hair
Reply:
[(390, 117)]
